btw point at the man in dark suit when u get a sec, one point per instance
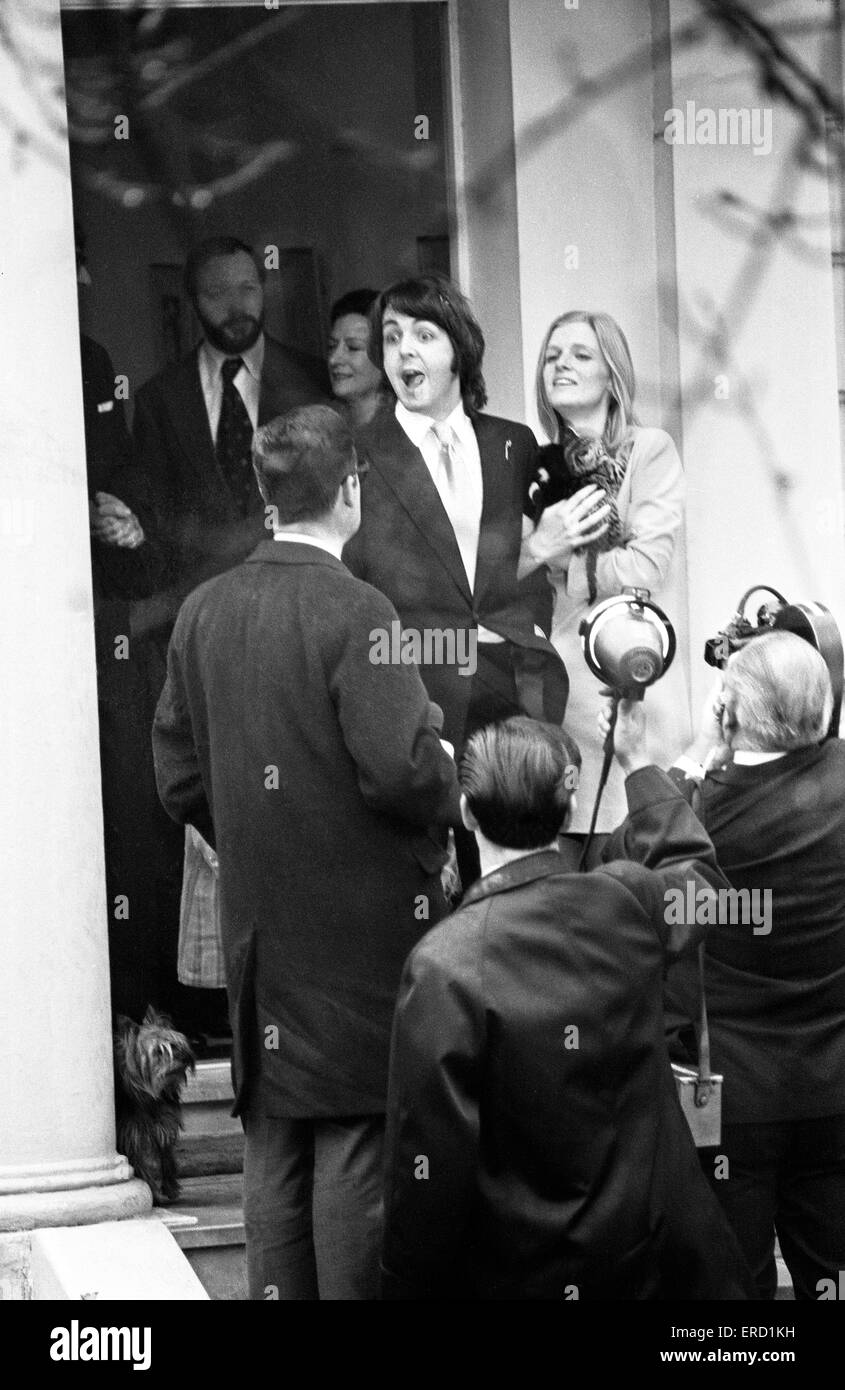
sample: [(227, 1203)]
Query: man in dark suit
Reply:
[(192, 484), (442, 513), (140, 841), (441, 527), (534, 1131), (317, 772), (773, 803)]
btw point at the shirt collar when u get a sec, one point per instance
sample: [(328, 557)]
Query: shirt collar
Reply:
[(252, 358), (528, 867), (417, 426), (333, 547), (752, 757)]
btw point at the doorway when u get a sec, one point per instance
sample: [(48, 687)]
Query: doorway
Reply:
[(318, 133)]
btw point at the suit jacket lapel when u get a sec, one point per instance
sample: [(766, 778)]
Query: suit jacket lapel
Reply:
[(495, 472), (269, 402), (404, 470)]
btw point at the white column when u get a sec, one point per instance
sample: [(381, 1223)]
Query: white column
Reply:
[(58, 1164)]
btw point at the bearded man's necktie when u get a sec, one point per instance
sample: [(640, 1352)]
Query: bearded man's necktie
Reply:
[(234, 439)]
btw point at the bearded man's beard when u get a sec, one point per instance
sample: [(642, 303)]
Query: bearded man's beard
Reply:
[(236, 334)]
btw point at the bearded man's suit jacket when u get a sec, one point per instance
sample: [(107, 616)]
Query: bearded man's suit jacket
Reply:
[(406, 547), (177, 488)]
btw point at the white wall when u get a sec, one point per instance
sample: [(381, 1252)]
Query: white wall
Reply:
[(763, 465), (585, 181)]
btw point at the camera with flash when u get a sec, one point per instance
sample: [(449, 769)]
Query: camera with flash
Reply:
[(812, 621)]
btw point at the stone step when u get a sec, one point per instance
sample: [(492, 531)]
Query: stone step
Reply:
[(207, 1223), (212, 1140)]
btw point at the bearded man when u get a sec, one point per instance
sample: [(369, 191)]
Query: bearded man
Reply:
[(192, 485)]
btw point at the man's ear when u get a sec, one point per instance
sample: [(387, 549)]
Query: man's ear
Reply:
[(466, 814), (729, 719), (348, 490)]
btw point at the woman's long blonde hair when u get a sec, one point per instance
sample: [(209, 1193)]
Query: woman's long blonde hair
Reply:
[(617, 355)]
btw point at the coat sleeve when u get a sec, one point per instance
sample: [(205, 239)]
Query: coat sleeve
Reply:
[(662, 835), (654, 518), (147, 481), (431, 1159), (389, 724), (177, 766)]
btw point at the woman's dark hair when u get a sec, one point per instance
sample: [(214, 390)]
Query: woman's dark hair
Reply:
[(355, 302), (210, 250), (435, 298), (518, 778)]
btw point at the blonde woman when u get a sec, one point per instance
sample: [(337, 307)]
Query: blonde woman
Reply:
[(619, 523)]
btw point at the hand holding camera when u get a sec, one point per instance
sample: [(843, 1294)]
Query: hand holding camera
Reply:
[(710, 743)]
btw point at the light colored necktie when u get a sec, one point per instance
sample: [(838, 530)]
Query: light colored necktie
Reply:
[(460, 495)]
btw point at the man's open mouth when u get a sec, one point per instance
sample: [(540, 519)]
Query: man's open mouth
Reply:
[(412, 378)]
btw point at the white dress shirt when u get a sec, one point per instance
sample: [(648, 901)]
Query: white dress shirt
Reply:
[(743, 757), (752, 757), (247, 381), (419, 429), (333, 547)]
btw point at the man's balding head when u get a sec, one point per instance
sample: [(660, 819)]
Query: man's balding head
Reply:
[(777, 694)]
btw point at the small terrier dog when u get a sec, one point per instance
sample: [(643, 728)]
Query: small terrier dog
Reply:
[(151, 1064)]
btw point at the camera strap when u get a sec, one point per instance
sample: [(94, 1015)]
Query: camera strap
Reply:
[(704, 1083)]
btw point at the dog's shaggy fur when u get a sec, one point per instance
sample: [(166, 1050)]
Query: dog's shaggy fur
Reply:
[(151, 1064)]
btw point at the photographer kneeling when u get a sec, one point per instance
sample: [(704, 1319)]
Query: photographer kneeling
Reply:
[(535, 1144), (774, 807)]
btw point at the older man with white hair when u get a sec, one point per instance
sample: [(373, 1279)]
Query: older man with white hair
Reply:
[(773, 803)]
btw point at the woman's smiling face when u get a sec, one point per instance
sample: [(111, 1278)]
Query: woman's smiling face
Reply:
[(351, 371), (575, 373), (419, 360)]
